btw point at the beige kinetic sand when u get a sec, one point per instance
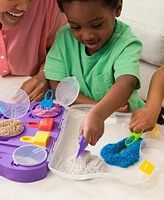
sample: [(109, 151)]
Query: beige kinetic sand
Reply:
[(10, 127), (85, 164)]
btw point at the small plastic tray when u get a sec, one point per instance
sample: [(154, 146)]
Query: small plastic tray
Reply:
[(19, 173), (6, 138), (47, 116), (29, 155), (157, 134), (115, 130)]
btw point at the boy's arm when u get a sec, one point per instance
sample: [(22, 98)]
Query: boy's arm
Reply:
[(146, 118), (116, 97), (81, 99), (93, 124)]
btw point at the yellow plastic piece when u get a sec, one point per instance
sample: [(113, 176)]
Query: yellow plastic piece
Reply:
[(40, 138), (156, 129), (154, 132), (147, 167)]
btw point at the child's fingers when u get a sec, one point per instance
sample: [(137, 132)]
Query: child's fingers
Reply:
[(93, 139), (80, 133), (90, 137), (87, 135), (138, 128), (135, 123), (132, 127), (134, 117), (135, 126)]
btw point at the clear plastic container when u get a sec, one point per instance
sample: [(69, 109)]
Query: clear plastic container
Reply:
[(152, 150), (29, 155), (67, 91), (14, 103), (157, 133), (115, 130)]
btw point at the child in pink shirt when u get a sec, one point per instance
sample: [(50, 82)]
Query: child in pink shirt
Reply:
[(27, 31)]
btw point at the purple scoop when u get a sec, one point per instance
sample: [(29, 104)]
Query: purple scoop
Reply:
[(82, 147)]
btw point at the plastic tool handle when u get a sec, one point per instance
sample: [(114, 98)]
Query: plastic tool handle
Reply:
[(82, 147), (33, 124), (47, 103), (29, 139), (81, 140), (133, 138)]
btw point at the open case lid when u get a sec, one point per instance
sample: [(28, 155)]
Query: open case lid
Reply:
[(14, 103), (67, 91)]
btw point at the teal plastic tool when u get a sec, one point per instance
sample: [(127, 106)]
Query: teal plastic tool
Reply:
[(133, 138), (47, 103)]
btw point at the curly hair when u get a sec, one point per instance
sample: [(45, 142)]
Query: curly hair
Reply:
[(112, 3)]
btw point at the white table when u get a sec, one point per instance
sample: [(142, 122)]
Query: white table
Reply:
[(58, 188)]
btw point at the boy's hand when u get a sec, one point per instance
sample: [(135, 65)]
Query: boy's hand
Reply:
[(36, 87), (92, 127), (143, 119)]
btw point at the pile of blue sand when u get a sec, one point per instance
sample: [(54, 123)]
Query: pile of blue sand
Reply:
[(111, 153)]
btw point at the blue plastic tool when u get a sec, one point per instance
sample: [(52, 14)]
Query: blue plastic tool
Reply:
[(133, 138), (47, 103), (82, 147)]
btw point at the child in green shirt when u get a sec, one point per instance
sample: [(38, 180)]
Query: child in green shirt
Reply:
[(103, 54)]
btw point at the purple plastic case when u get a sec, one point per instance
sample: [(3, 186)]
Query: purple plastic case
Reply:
[(20, 173)]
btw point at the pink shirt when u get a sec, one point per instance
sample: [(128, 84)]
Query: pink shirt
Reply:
[(23, 48)]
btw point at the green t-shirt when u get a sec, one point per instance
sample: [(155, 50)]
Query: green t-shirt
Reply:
[(96, 73)]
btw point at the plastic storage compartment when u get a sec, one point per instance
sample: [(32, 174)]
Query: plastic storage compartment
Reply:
[(14, 103), (152, 150), (116, 128), (157, 133), (29, 155)]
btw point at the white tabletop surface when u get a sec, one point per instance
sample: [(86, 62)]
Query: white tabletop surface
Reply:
[(58, 188)]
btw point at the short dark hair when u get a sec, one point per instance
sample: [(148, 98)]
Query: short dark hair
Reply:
[(112, 3)]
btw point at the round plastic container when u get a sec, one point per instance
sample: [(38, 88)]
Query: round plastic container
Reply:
[(29, 155), (152, 150), (11, 127), (47, 113), (67, 91), (14, 103)]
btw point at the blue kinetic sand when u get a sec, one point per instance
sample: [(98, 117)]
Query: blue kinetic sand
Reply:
[(111, 153)]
